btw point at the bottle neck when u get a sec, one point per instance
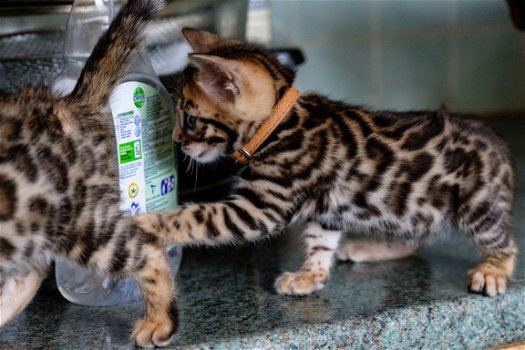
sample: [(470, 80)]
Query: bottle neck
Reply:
[(142, 65)]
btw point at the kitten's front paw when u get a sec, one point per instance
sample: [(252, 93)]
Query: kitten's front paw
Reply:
[(487, 281), (151, 334), (301, 282)]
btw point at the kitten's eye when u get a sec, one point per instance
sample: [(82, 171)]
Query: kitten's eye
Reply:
[(189, 121)]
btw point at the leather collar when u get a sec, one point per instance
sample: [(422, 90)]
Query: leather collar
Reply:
[(281, 109)]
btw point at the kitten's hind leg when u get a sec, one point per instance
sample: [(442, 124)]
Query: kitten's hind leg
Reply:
[(313, 275), (16, 292), (490, 278), (371, 249), (488, 223), (139, 253), (493, 237), (158, 288)]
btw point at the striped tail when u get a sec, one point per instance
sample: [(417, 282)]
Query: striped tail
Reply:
[(113, 52)]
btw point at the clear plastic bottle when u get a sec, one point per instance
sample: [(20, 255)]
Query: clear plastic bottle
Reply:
[(143, 118)]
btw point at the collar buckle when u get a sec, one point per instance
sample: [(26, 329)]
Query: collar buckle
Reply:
[(241, 155)]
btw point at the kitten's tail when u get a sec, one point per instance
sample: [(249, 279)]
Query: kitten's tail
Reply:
[(113, 52)]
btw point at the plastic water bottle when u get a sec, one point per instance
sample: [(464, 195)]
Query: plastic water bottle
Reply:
[(143, 117)]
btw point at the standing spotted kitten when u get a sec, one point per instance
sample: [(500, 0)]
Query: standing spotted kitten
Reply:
[(59, 193), (403, 177)]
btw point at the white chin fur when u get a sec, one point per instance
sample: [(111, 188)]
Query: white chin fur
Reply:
[(202, 155), (208, 157)]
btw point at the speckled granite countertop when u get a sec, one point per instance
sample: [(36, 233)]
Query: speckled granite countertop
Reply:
[(227, 300)]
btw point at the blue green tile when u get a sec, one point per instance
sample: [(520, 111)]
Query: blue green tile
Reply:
[(476, 12), (282, 22), (327, 19), (340, 71), (413, 72), (413, 15), (491, 66)]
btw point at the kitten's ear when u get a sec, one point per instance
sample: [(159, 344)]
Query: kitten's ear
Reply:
[(202, 41), (216, 76)]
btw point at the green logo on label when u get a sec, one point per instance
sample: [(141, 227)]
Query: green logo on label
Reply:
[(139, 97), (130, 151)]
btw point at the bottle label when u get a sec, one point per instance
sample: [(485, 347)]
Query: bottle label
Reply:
[(146, 158)]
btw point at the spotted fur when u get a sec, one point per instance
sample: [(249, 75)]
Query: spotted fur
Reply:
[(401, 177), (59, 192)]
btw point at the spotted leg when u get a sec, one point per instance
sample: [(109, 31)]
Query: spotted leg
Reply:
[(140, 254), (491, 276), (315, 271), (158, 288), (492, 234)]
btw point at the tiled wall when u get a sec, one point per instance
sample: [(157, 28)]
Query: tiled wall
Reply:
[(407, 54)]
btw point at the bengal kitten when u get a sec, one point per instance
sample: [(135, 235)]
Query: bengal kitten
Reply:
[(401, 177), (59, 192)]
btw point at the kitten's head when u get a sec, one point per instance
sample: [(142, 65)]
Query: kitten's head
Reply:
[(227, 88)]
